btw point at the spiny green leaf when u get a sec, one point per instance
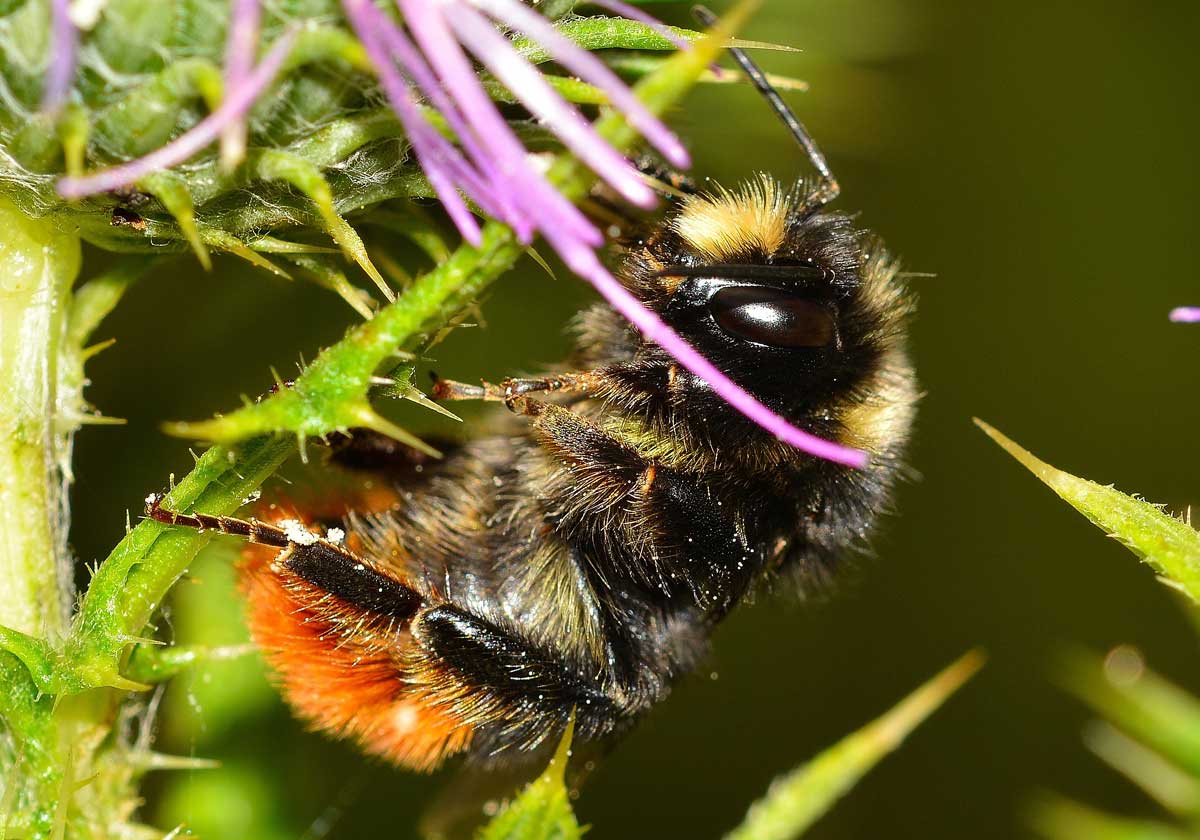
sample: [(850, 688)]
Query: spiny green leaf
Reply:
[(1153, 710), (172, 191), (604, 33), (543, 810), (798, 799), (1172, 788), (98, 297), (35, 654), (328, 273), (91, 303), (1062, 819), (276, 164), (151, 664), (1170, 546), (131, 583)]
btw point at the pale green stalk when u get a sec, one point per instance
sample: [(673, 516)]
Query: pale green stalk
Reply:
[(38, 264), (798, 799)]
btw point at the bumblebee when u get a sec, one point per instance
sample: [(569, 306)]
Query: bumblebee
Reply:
[(579, 562)]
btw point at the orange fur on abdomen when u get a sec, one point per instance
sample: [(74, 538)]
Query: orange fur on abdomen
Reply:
[(340, 673)]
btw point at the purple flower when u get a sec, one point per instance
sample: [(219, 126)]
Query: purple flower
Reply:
[(1185, 315), (64, 43), (204, 133), (431, 57), (241, 44)]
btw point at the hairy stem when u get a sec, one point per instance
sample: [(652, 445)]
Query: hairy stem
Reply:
[(38, 264)]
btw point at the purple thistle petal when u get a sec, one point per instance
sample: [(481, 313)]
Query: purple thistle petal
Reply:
[(521, 182), (469, 181), (241, 48), (64, 43), (1185, 315), (584, 64), (434, 158), (531, 87), (233, 108), (634, 13), (519, 179), (438, 163), (405, 52)]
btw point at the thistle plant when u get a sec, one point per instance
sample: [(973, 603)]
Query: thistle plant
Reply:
[(281, 133)]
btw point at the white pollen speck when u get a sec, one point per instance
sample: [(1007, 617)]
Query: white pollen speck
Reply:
[(86, 13), (152, 498), (540, 162), (253, 496), (360, 568), (295, 531), (335, 535), (405, 718)]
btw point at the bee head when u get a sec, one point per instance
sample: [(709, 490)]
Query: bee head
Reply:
[(794, 304)]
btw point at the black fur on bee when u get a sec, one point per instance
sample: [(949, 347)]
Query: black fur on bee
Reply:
[(583, 562)]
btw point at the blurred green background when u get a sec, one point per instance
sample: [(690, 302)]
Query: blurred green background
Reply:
[(1039, 159)]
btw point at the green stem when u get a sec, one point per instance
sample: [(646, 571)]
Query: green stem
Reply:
[(38, 264), (43, 746)]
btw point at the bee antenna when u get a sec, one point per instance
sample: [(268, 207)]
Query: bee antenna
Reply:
[(829, 186)]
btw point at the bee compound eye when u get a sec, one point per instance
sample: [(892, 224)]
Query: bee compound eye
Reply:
[(774, 317)]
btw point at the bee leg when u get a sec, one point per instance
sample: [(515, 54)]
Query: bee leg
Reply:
[(448, 389), (261, 533), (321, 561), (511, 389), (575, 381), (665, 180), (513, 689)]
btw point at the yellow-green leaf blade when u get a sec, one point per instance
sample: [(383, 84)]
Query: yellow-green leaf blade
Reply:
[(1170, 546), (797, 800), (1062, 819), (1158, 778), (1144, 705), (543, 809)]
